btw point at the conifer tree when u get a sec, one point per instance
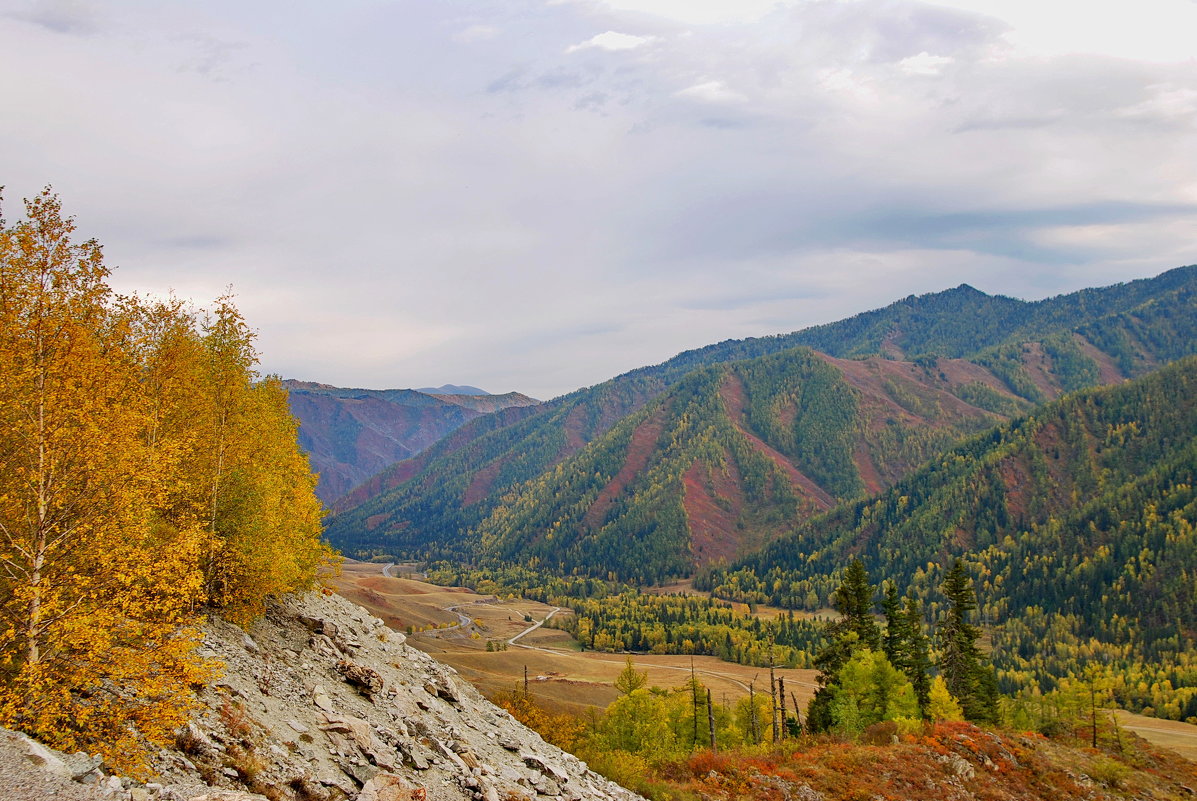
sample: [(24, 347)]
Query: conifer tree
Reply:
[(854, 631), (629, 679), (960, 662), (895, 640), (918, 653)]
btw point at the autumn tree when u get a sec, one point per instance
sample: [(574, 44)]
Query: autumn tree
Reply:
[(941, 704), (629, 679), (146, 473), (94, 597)]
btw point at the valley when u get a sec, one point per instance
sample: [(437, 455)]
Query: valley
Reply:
[(562, 676), (560, 673)]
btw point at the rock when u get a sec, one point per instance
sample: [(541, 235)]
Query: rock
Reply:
[(960, 767), (411, 755), (389, 787), (280, 714), (442, 686), (361, 774), (547, 768), (325, 647), (312, 624), (366, 679)]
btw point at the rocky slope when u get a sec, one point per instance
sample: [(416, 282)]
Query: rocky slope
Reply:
[(319, 700)]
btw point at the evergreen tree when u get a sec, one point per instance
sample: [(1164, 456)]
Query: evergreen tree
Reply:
[(918, 654), (963, 668), (854, 631), (896, 638)]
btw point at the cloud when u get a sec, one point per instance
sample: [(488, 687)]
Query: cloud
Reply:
[(612, 40), (702, 12), (712, 92), (924, 64), (476, 33), (394, 209), (70, 17)]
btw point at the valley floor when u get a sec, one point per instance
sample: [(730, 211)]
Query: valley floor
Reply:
[(564, 677), (560, 674)]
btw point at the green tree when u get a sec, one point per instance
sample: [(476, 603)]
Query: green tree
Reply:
[(629, 679), (918, 653), (963, 668), (853, 631), (870, 690)]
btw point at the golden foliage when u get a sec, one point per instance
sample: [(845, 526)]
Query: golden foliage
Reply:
[(145, 473)]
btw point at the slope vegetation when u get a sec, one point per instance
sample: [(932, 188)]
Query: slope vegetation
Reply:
[(948, 357), (1077, 522), (724, 461)]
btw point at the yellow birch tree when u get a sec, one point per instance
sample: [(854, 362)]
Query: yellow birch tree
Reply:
[(93, 597)]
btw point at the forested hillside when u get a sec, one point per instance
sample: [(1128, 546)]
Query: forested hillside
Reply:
[(1077, 523), (990, 354), (724, 461), (426, 505)]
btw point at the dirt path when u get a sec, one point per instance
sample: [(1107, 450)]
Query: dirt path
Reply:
[(533, 628)]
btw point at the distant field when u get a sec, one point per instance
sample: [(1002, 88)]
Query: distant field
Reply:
[(561, 674), (1171, 734)]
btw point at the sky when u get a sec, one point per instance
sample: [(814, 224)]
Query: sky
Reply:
[(537, 195)]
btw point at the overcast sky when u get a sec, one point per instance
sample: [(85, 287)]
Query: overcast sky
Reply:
[(536, 195)]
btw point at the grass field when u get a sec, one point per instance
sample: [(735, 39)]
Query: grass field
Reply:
[(559, 672), (1171, 734), (563, 676)]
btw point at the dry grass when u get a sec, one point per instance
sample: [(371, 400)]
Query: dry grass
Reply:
[(1170, 734), (562, 676)]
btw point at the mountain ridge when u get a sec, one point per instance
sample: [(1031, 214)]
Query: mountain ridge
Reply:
[(351, 434), (434, 507)]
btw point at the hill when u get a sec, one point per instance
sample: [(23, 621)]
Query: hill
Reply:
[(995, 354), (725, 460), (1076, 521), (351, 434)]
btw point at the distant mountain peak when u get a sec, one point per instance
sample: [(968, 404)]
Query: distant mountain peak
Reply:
[(453, 389)]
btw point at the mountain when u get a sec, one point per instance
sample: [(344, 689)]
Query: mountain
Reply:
[(453, 389), (1078, 523), (727, 458), (486, 404), (351, 434), (994, 355)]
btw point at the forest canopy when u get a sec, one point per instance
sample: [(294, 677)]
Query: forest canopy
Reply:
[(147, 474)]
